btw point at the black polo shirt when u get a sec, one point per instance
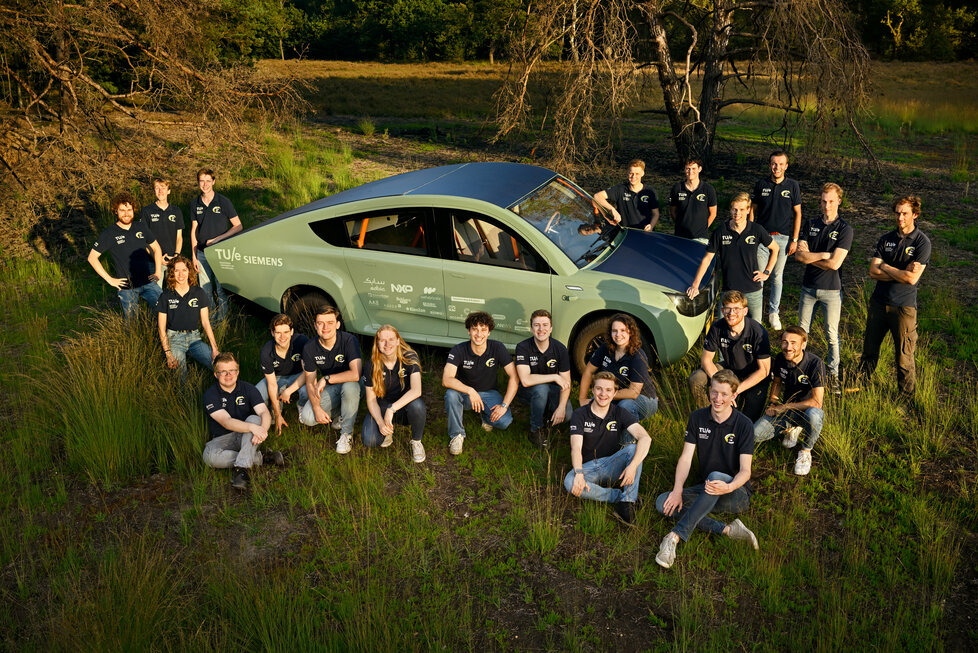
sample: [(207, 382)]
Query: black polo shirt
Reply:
[(127, 247), (635, 208), (164, 223), (900, 252), (240, 404), (212, 219), (738, 254), (552, 361), (479, 372), (397, 380), (692, 209), (798, 380), (740, 353), (630, 368), (603, 436), (822, 237), (720, 445), (183, 312), (345, 350), (288, 365), (775, 205)]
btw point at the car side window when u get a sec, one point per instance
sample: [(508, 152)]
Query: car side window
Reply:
[(396, 230), (482, 240)]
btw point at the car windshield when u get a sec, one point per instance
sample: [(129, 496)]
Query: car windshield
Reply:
[(569, 218)]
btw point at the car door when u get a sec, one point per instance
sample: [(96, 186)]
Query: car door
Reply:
[(491, 268)]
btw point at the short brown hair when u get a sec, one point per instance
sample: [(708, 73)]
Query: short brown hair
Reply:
[(733, 297), (122, 198), (695, 160), (206, 171), (637, 163), (326, 309), (225, 357), (777, 153), (279, 320), (603, 375), (911, 200), (475, 318), (794, 329), (728, 377), (163, 181), (738, 198), (831, 185), (541, 312)]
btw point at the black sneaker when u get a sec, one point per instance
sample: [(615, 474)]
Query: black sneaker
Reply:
[(240, 479), (273, 458), (625, 512), (539, 438)]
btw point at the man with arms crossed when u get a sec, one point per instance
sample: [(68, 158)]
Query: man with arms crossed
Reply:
[(631, 204), (723, 439), (165, 220), (212, 219), (543, 367), (598, 457), (693, 204), (281, 363)]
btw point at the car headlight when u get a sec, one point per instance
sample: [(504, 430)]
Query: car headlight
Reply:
[(690, 307)]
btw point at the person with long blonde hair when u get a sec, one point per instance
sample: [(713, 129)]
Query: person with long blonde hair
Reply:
[(392, 379), (183, 310)]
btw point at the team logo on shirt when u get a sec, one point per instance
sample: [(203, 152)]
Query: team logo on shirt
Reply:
[(644, 199), (749, 348), (611, 426), (216, 209), (551, 364), (192, 303), (834, 235), (340, 358), (172, 218), (750, 240), (623, 370), (701, 197), (803, 378), (786, 193), (296, 357), (729, 438), (173, 303), (139, 235), (909, 251), (490, 362), (119, 240), (239, 401)]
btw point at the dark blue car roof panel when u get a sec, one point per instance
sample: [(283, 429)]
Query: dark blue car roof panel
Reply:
[(658, 258)]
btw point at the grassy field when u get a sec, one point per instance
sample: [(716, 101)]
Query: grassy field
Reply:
[(113, 536)]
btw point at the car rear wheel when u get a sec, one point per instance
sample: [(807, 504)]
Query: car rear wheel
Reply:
[(302, 305), (592, 335)]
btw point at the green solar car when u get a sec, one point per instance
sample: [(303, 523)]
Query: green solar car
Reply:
[(421, 250)]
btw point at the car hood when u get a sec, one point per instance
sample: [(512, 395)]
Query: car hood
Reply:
[(668, 261)]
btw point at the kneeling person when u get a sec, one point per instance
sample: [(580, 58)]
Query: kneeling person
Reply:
[(281, 363), (238, 421), (543, 365)]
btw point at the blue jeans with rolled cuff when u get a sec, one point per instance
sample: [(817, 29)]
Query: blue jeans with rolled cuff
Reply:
[(697, 506), (602, 472), (457, 402)]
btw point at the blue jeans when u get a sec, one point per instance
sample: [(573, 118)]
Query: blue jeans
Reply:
[(831, 303), (810, 420), (697, 505), (210, 284), (763, 254), (542, 400), (283, 382), (456, 402), (607, 470), (129, 297), (345, 396), (188, 342), (641, 407), (414, 414), (233, 449)]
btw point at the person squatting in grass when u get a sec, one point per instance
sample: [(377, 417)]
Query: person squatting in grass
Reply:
[(184, 309), (601, 454), (543, 367), (336, 355), (470, 380), (137, 270), (621, 354), (693, 204), (238, 422), (392, 383), (797, 393), (212, 219), (735, 242), (745, 349), (723, 439), (165, 220), (631, 204), (281, 365)]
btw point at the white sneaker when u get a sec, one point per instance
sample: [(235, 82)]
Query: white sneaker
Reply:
[(487, 427), (791, 436), (804, 463), (417, 451), (343, 445), (455, 446), (775, 321), (388, 440), (740, 532), (667, 552)]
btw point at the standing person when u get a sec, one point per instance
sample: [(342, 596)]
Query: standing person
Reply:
[(736, 242), (723, 439), (745, 349), (631, 204), (621, 354), (796, 398), (543, 366), (183, 310), (825, 242), (281, 365), (470, 380), (693, 204), (776, 206), (137, 270), (238, 422), (600, 456), (900, 258), (212, 219), (392, 381), (336, 355), (165, 220)]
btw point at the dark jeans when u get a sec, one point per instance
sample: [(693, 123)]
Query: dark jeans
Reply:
[(697, 506), (413, 414), (901, 323)]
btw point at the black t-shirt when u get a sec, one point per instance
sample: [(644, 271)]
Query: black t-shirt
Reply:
[(775, 205), (693, 209), (552, 361), (127, 247), (164, 223), (479, 372), (635, 208), (720, 445), (738, 254), (183, 312), (740, 353), (602, 436), (900, 252), (630, 368), (798, 380), (212, 219), (397, 381), (290, 364), (239, 403), (823, 237), (345, 350)]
